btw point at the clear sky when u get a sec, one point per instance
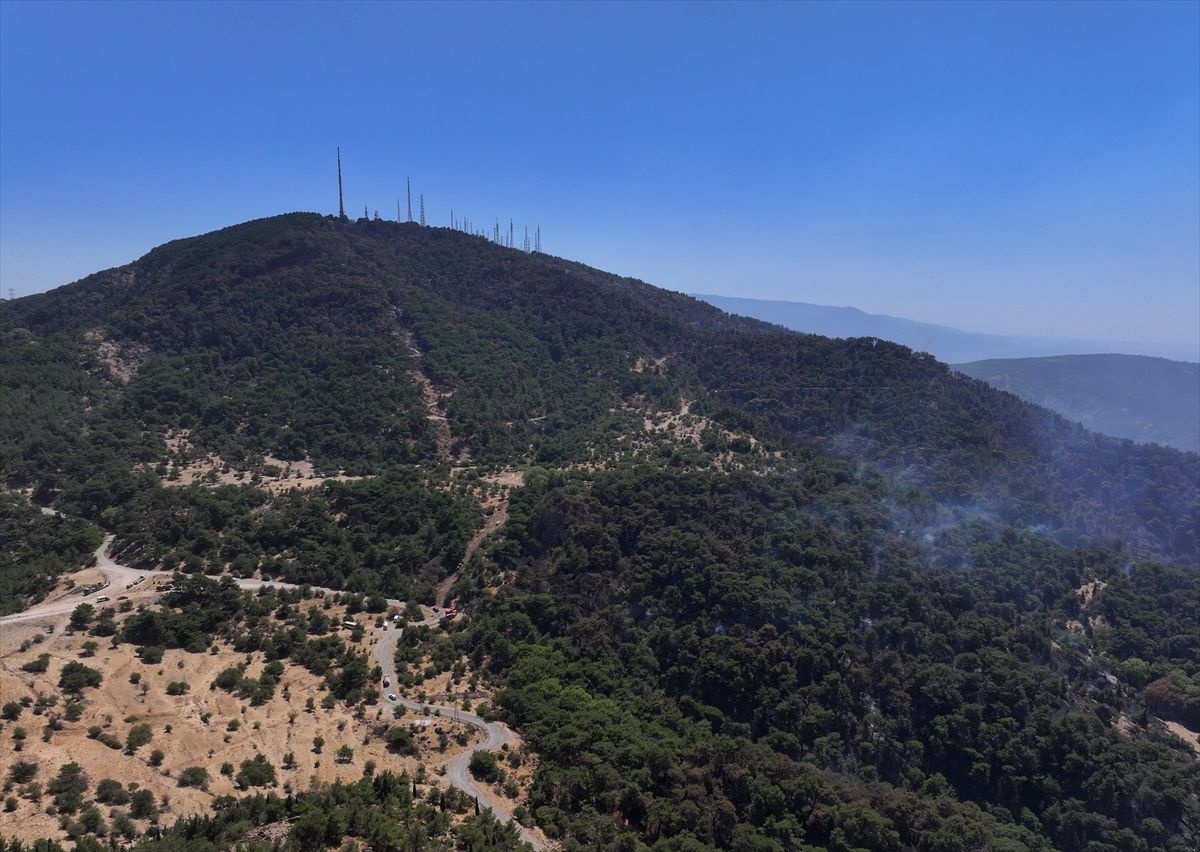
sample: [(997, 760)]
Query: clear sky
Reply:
[(1014, 167)]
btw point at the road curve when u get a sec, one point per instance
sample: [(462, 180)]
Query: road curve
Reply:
[(118, 577), (495, 734)]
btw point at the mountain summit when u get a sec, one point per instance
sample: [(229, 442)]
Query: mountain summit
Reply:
[(354, 344), (735, 587)]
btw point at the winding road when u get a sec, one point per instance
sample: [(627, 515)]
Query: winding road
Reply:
[(495, 734)]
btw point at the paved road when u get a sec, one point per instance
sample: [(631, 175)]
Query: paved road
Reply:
[(495, 735), (118, 577)]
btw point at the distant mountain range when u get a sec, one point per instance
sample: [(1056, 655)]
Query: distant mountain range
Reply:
[(1151, 400), (952, 345)]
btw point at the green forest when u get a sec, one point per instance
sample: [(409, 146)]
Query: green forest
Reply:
[(847, 613)]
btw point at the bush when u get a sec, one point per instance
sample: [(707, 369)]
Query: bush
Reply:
[(111, 792), (37, 666), (400, 741), (177, 687), (11, 711), (22, 772), (68, 788), (152, 654), (142, 805), (194, 776), (82, 615), (76, 677), (256, 773), (484, 766), (137, 737)]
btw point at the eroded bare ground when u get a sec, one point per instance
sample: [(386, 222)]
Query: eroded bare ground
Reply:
[(434, 403), (121, 359), (494, 499), (208, 728), (1192, 738), (187, 467)]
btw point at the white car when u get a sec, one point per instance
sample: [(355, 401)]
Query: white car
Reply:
[(391, 696)]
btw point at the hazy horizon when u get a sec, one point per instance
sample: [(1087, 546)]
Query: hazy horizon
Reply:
[(1007, 169)]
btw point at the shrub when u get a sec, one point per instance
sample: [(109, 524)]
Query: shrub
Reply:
[(484, 766), (142, 805), (37, 666), (111, 792), (194, 776), (137, 737), (68, 788), (76, 677), (22, 772), (256, 773)]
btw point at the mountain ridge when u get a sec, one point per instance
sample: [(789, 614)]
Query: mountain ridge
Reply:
[(341, 295), (736, 587), (946, 343), (1145, 399)]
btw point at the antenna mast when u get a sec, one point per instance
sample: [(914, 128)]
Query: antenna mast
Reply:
[(341, 203), (422, 209), (408, 187)]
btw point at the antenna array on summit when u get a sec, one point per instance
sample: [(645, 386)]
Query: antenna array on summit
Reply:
[(530, 244)]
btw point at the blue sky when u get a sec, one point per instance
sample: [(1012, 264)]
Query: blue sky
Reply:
[(1012, 168)]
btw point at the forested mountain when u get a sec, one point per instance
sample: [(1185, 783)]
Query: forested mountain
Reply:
[(760, 590), (1150, 400)]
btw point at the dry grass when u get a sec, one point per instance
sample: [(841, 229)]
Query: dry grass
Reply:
[(276, 727)]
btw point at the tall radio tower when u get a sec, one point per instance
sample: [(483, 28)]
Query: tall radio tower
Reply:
[(408, 187), (341, 202), (422, 209)]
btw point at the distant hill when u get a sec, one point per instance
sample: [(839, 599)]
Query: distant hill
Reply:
[(1151, 400), (947, 344)]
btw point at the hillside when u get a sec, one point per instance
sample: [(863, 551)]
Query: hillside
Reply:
[(951, 345), (1149, 400), (736, 587)]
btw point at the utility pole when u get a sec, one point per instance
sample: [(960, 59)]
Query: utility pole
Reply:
[(408, 187), (341, 203)]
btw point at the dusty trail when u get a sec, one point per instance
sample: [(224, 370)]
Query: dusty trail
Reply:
[(509, 478), (433, 402)]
